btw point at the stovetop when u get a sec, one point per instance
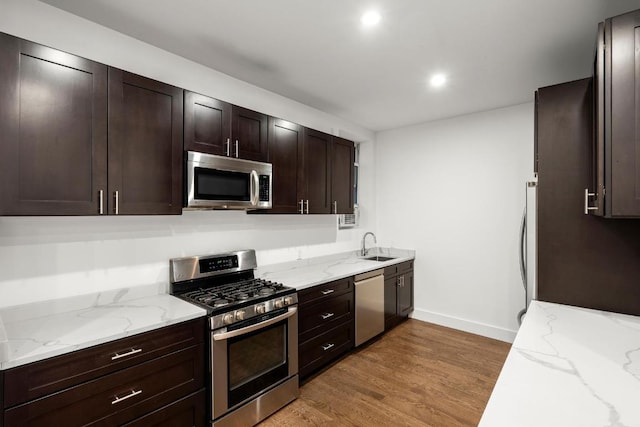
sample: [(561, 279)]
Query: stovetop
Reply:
[(224, 285), (231, 296)]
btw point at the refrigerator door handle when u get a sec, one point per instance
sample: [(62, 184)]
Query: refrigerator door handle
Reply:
[(523, 242)]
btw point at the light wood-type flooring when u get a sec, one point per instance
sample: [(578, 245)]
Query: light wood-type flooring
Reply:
[(417, 374)]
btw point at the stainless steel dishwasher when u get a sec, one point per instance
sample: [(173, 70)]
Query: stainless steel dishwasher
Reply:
[(369, 305)]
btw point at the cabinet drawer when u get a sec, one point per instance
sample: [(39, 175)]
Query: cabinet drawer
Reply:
[(37, 379), (318, 318), (122, 396), (188, 411), (321, 350), (391, 270), (324, 291), (405, 266)]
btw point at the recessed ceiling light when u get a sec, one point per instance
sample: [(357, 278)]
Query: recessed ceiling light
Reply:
[(438, 80), (370, 18)]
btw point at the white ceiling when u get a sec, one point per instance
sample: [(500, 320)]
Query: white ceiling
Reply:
[(495, 52)]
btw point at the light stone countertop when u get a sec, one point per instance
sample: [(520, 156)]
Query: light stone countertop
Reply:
[(569, 366), (33, 332), (309, 272)]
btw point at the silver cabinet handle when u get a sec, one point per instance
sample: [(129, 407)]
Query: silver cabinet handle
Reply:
[(327, 316), (335, 207), (128, 396), (588, 208), (236, 148), (228, 149), (328, 346), (301, 206), (306, 202), (327, 291), (101, 202), (128, 353), (116, 196)]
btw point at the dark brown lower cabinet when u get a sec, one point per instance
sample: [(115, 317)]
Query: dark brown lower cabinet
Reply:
[(188, 411), (145, 378), (326, 327), (322, 349), (398, 293)]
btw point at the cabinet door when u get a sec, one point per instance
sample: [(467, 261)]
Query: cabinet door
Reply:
[(53, 131), (207, 124), (405, 294), (390, 301), (285, 154), (317, 171), (342, 176), (145, 145), (623, 188), (249, 139)]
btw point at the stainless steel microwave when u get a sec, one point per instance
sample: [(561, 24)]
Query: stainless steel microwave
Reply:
[(219, 182)]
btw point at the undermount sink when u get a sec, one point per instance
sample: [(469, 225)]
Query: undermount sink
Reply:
[(379, 258)]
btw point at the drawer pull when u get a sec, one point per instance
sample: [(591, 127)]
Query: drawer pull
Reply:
[(128, 353), (326, 316), (328, 347), (128, 396), (327, 291)]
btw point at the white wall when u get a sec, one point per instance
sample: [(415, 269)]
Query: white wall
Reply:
[(44, 258), (454, 190)]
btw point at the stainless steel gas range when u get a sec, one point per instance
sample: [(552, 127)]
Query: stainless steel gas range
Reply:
[(253, 335)]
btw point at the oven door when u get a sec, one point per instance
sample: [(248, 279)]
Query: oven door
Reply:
[(253, 358)]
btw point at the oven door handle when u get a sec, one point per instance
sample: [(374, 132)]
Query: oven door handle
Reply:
[(226, 335)]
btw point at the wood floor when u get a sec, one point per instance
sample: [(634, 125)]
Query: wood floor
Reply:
[(418, 374)]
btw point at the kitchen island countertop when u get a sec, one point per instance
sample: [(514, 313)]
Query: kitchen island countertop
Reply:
[(569, 366), (309, 272), (37, 331)]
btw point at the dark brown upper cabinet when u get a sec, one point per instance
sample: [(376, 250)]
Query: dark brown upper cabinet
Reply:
[(53, 131), (207, 124), (342, 158), (616, 189), (79, 138), (285, 154), (216, 127), (249, 134), (316, 195), (312, 170), (145, 145)]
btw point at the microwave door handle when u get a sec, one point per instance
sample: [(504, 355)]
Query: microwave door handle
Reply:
[(226, 335), (255, 188)]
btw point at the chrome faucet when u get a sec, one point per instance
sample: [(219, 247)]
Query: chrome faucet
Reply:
[(363, 251)]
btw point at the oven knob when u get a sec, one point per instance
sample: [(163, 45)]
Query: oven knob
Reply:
[(260, 309), (288, 300), (278, 303), (227, 319), (240, 315)]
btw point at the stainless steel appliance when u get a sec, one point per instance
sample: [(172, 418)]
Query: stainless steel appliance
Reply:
[(369, 296), (218, 182), (253, 335)]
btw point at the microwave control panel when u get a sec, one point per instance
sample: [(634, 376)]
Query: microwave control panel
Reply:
[(264, 188)]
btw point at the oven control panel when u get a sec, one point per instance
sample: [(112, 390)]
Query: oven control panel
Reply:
[(209, 265), (244, 314)]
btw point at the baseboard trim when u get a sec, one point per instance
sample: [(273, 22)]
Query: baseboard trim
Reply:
[(465, 325)]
